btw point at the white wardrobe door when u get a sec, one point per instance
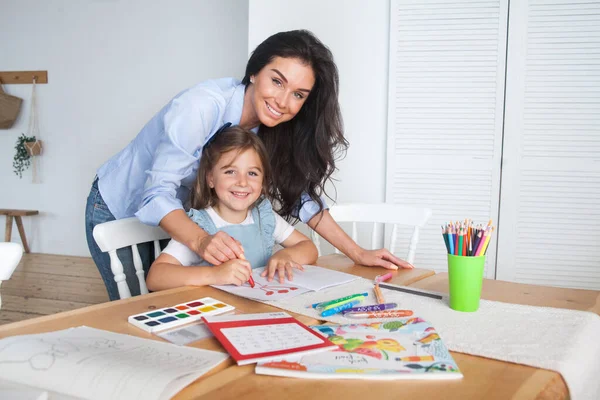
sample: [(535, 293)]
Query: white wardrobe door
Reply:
[(550, 202), (447, 60)]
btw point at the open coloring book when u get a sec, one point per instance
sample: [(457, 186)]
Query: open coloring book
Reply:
[(313, 278), (400, 349)]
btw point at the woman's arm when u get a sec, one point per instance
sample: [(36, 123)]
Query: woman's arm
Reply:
[(166, 272), (324, 224), (189, 120), (215, 249), (298, 250)]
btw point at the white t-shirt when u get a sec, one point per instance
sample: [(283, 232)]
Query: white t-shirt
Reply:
[(187, 257)]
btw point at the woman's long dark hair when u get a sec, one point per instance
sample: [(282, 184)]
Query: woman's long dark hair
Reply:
[(302, 151)]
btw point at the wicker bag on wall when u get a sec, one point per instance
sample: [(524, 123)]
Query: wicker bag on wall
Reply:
[(9, 109)]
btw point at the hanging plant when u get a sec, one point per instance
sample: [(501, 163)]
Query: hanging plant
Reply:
[(22, 159)]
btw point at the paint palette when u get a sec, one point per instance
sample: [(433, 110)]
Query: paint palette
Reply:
[(180, 314)]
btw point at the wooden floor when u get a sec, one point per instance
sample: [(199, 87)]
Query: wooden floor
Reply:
[(46, 284)]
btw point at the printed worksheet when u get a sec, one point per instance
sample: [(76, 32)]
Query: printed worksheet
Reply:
[(89, 363), (267, 338)]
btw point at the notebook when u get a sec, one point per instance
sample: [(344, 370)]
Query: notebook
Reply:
[(250, 338), (400, 349), (313, 278)]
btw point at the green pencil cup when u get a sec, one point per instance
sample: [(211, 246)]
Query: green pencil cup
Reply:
[(465, 275)]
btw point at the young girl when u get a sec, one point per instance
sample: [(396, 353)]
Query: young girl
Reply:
[(229, 196)]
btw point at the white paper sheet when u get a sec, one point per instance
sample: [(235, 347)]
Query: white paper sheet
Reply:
[(94, 364), (186, 334), (318, 278), (313, 278)]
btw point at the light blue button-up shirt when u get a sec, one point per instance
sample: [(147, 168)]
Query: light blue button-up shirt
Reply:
[(154, 174)]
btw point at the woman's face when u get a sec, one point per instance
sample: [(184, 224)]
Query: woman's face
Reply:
[(280, 89)]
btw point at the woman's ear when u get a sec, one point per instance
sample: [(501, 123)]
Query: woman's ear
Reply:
[(209, 180)]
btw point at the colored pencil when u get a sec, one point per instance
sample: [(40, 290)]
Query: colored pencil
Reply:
[(463, 238), (487, 242), (378, 294)]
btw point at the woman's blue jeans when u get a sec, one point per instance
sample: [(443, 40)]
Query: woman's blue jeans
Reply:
[(97, 212)]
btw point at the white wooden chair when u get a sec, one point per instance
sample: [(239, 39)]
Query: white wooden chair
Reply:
[(113, 235), (382, 213), (10, 255)]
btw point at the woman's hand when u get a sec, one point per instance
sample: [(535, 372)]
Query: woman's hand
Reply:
[(235, 272), (380, 258), (219, 248), (282, 265)]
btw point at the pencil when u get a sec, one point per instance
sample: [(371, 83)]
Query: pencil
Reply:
[(481, 242), (378, 294), (402, 289), (487, 242), (476, 242), (250, 280), (445, 236), (455, 233)]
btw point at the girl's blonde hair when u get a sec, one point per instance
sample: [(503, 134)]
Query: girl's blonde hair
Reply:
[(231, 138)]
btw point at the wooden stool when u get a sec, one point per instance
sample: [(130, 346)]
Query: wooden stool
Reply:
[(17, 214)]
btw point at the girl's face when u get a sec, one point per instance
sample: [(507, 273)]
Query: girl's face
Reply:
[(278, 92), (237, 179)]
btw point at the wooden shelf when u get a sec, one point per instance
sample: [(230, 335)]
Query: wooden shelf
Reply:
[(25, 77)]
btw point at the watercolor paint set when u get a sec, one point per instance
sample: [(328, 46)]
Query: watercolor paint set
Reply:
[(180, 314)]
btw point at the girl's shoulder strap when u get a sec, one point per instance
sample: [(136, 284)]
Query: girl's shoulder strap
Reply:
[(203, 220), (264, 215)]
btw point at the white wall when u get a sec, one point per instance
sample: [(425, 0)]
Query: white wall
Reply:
[(357, 32), (111, 65)]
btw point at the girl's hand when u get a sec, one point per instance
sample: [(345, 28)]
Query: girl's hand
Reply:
[(235, 272), (380, 258), (219, 248), (282, 265)]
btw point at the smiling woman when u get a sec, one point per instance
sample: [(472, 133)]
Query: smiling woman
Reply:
[(289, 96), (279, 90)]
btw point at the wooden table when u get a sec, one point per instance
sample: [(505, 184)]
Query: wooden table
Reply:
[(483, 378), (16, 214), (340, 262), (518, 293), (113, 316), (514, 380)]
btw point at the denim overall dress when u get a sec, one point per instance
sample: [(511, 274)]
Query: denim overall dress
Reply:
[(256, 238)]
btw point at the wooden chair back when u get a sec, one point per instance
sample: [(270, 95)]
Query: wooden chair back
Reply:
[(378, 214), (113, 235)]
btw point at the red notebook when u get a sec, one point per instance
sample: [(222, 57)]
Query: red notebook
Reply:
[(251, 338)]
